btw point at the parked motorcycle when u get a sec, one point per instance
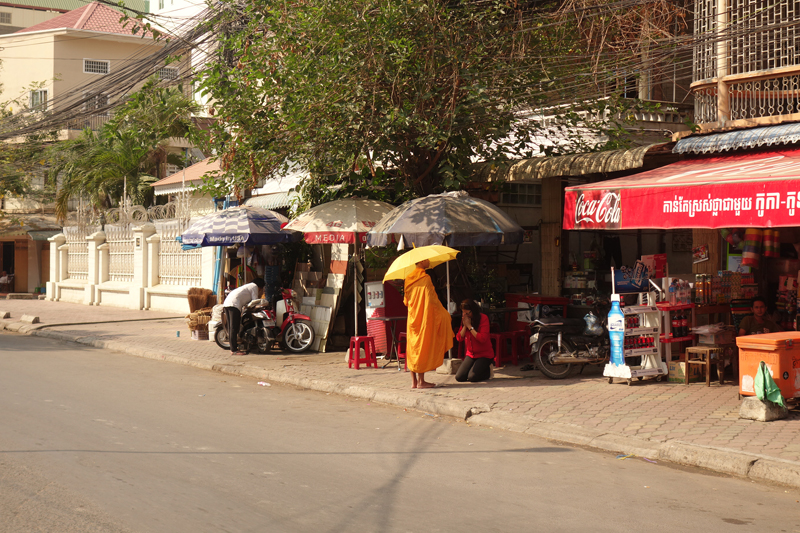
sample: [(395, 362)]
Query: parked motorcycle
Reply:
[(559, 343), (259, 326)]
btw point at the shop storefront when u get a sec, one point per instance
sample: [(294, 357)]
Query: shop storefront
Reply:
[(743, 210)]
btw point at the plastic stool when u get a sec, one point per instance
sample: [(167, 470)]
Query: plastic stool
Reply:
[(401, 349), (356, 344), (501, 353), (520, 343)]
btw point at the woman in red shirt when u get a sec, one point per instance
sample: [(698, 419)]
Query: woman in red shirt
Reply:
[(476, 365)]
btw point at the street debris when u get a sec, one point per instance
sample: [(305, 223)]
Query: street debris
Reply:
[(264, 384)]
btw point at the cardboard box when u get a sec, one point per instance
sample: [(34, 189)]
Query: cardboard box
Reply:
[(723, 337), (677, 372)]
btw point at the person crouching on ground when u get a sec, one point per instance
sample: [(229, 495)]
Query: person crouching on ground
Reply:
[(479, 354), (429, 333), (233, 305)]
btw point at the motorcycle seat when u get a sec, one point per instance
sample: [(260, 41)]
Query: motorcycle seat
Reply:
[(560, 321)]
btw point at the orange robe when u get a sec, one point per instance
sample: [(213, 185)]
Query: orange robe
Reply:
[(429, 333)]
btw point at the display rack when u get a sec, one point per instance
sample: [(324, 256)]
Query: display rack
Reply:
[(667, 333), (649, 327)]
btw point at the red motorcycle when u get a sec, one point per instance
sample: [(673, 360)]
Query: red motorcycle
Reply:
[(259, 326)]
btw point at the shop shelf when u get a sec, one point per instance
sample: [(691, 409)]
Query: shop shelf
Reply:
[(641, 331), (640, 351), (669, 340), (664, 306), (638, 309)]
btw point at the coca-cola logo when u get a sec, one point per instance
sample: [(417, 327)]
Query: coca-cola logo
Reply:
[(603, 211)]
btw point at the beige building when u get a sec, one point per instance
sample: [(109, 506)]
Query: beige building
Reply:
[(63, 61)]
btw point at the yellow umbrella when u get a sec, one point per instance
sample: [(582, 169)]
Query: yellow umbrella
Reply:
[(406, 263)]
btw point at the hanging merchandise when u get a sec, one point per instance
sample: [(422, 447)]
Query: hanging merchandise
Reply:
[(734, 237), (752, 247), (771, 243)]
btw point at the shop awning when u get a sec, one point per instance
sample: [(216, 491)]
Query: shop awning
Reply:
[(565, 165), (734, 140), (759, 190), (272, 201)]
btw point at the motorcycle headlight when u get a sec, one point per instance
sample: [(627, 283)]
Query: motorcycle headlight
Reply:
[(260, 314)]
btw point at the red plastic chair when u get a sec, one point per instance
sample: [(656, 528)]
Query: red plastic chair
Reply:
[(356, 344)]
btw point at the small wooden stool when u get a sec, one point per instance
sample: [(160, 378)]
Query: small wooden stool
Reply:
[(705, 355)]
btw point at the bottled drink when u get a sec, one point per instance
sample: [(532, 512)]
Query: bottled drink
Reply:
[(616, 331), (685, 324), (673, 297), (676, 325)]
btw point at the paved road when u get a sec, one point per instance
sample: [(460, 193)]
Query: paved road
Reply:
[(97, 441)]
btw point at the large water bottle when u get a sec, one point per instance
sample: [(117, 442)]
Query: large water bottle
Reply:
[(616, 331)]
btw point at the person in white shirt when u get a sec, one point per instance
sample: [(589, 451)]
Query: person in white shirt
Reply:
[(4, 280), (233, 305)]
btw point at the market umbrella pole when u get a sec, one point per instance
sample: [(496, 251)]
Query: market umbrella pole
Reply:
[(355, 288)]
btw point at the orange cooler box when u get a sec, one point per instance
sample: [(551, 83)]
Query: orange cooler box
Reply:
[(780, 351)]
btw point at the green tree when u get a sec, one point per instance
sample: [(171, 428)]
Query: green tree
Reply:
[(408, 91), (417, 88), (132, 148)]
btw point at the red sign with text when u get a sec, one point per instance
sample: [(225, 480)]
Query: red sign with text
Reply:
[(755, 191)]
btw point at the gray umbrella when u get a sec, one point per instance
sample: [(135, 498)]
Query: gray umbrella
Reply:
[(450, 219)]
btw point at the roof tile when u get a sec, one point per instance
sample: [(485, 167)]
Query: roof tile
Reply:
[(91, 17)]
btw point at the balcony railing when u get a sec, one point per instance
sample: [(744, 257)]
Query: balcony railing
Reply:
[(94, 122), (746, 62)]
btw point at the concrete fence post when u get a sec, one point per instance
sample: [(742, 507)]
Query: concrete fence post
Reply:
[(56, 263)]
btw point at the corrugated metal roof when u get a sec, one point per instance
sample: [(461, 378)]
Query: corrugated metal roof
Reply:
[(271, 201), (69, 5), (566, 165), (733, 140)]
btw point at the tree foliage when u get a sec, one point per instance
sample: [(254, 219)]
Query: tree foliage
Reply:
[(131, 148), (405, 90)]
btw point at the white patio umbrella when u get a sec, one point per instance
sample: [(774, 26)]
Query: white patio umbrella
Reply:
[(344, 221)]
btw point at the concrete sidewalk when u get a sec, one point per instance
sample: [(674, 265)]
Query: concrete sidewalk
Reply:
[(692, 425)]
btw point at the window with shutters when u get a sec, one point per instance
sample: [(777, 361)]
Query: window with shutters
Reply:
[(5, 18), (38, 100)]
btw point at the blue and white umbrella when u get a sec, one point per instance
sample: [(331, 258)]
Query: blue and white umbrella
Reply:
[(239, 225)]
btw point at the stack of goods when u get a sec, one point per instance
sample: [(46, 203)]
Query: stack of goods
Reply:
[(198, 323)]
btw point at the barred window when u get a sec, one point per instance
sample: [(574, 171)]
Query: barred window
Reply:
[(5, 18), (96, 103), (168, 73), (38, 100), (95, 66), (522, 194)]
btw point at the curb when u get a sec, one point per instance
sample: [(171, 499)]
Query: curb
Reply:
[(722, 460)]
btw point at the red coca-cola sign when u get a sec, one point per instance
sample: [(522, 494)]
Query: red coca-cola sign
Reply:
[(592, 209)]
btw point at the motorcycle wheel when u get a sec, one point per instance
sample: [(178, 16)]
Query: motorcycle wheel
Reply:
[(543, 361), (263, 342), (221, 338), (298, 337)]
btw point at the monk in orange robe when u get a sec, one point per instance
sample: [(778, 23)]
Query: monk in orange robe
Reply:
[(429, 334)]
